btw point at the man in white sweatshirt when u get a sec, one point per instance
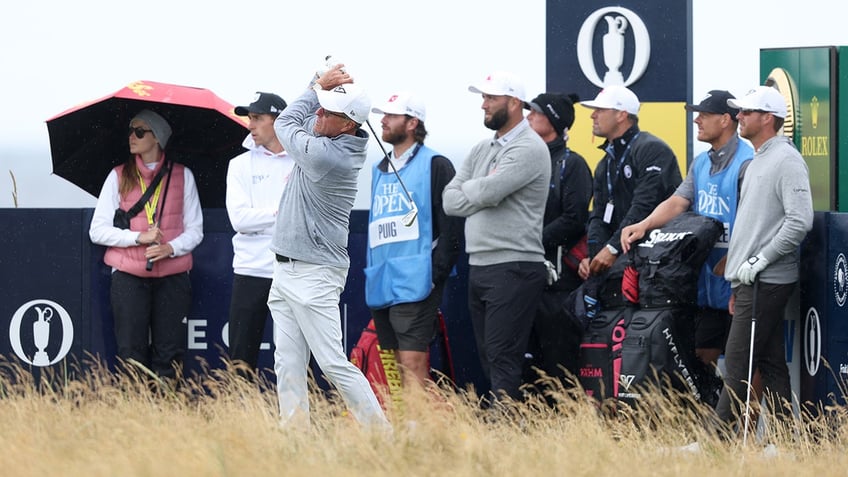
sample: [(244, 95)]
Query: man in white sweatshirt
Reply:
[(255, 182), (774, 215)]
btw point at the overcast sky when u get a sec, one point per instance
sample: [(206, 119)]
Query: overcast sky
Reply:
[(58, 54)]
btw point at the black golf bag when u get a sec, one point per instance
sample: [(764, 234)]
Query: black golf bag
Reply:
[(658, 354), (626, 351), (605, 313), (659, 350), (601, 353), (669, 260)]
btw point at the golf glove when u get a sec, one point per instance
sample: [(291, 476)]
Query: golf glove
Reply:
[(552, 273), (329, 62), (748, 271)]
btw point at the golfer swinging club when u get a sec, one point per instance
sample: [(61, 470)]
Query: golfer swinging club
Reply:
[(321, 131)]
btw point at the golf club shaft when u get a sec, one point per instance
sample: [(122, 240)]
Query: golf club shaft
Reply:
[(750, 363), (386, 155)]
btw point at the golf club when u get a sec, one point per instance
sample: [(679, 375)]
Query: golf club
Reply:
[(750, 364), (410, 216)]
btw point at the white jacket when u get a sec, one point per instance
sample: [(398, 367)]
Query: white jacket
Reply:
[(255, 182)]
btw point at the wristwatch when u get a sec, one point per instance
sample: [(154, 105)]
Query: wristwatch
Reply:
[(612, 249)]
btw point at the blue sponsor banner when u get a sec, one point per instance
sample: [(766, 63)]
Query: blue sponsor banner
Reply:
[(647, 46), (56, 314)]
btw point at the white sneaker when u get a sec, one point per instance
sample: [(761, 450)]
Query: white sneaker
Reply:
[(770, 451), (691, 448)]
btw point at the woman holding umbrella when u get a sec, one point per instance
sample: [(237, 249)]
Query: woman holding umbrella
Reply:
[(149, 245)]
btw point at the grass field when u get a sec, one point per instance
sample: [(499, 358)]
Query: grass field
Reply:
[(106, 425)]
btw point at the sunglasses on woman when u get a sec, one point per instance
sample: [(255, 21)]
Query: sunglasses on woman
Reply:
[(139, 132)]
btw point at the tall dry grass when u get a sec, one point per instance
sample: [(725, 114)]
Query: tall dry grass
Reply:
[(101, 424)]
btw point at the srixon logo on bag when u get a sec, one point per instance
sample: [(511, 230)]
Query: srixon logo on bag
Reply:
[(658, 236)]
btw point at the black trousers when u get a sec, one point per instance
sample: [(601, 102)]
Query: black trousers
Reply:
[(502, 300), (769, 348), (151, 316), (555, 338), (248, 315)]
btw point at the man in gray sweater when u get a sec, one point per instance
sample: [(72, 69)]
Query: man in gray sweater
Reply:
[(501, 189), (321, 132), (774, 215)]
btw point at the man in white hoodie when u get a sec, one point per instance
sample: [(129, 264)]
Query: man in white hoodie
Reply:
[(255, 182)]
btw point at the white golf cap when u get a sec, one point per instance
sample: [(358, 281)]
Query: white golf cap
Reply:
[(402, 102), (615, 97), (349, 99), (500, 83), (761, 98)]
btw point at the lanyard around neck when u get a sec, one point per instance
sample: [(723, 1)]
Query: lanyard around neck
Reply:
[(610, 157), (150, 205)]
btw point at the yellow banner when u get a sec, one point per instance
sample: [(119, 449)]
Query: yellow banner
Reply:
[(664, 120)]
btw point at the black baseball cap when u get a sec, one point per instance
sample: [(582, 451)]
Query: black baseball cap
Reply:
[(558, 108), (715, 102), (263, 103)]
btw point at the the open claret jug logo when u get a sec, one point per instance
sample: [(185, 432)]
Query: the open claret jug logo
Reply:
[(41, 332)]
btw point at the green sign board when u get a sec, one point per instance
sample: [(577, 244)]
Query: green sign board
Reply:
[(807, 79)]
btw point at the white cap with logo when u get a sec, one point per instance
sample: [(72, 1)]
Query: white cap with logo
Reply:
[(349, 99), (761, 98), (402, 102), (500, 83), (615, 97)]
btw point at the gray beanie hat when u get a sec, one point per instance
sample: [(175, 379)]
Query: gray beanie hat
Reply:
[(161, 129)]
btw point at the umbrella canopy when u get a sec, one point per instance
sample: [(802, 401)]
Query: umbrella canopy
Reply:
[(87, 141)]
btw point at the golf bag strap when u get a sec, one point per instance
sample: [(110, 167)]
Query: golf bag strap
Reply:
[(170, 166), (135, 209)]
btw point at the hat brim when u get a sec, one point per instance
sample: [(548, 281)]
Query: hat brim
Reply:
[(476, 90), (533, 106), (329, 101), (246, 110), (700, 109), (376, 110), (737, 104), (592, 104)]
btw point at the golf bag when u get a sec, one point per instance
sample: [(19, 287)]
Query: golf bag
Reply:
[(601, 355), (669, 260), (374, 361), (628, 351), (604, 311), (381, 368), (658, 352)]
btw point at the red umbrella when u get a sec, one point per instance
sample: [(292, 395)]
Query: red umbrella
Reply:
[(88, 140)]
